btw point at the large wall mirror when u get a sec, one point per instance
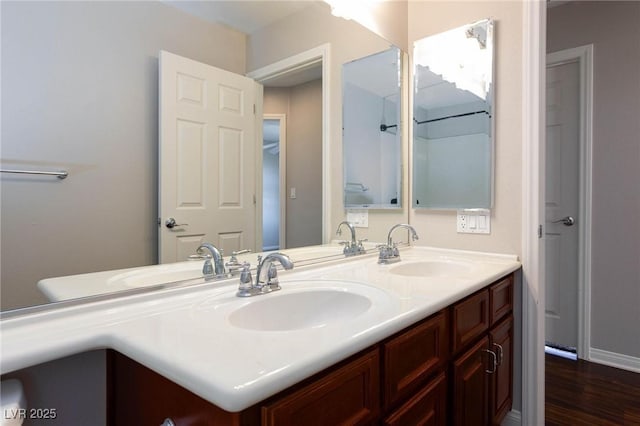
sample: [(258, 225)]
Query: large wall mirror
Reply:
[(372, 134), (80, 93), (453, 115)]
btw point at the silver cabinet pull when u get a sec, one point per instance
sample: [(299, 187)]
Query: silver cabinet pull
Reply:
[(494, 361), (171, 223), (500, 353), (566, 221)]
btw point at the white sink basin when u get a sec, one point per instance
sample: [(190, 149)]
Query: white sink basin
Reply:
[(303, 305), (431, 268), (292, 311)]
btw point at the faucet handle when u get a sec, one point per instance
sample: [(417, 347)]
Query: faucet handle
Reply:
[(199, 256), (272, 278), (246, 287), (207, 270)]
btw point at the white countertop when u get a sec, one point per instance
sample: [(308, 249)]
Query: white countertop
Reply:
[(184, 334), (57, 289)]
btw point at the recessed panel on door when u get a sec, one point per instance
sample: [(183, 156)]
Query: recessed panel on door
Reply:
[(189, 159), (230, 167), (230, 242), (191, 89), (230, 100), (187, 245)]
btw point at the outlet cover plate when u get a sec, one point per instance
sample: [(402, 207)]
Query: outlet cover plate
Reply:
[(359, 218), (474, 221)]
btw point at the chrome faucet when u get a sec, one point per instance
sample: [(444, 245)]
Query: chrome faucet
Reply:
[(355, 246), (389, 253), (215, 270), (270, 282)]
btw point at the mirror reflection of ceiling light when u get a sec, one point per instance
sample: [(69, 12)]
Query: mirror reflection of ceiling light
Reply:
[(357, 10), (460, 57)]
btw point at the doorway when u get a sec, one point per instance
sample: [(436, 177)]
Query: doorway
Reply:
[(274, 168), (568, 202), (296, 70)]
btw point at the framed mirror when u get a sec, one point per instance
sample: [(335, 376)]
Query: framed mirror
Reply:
[(372, 131), (453, 118)]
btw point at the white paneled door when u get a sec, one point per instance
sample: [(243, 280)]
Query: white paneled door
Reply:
[(207, 158), (562, 204)]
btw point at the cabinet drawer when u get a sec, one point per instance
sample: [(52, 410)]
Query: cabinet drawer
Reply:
[(500, 299), (428, 407), (470, 319), (412, 356), (347, 396)]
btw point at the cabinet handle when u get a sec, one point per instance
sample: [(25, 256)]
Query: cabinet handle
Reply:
[(500, 353), (493, 359), (168, 422)]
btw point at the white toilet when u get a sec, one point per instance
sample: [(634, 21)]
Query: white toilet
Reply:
[(14, 403)]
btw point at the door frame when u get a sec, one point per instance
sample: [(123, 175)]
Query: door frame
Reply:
[(534, 39), (316, 55), (282, 171), (584, 56)]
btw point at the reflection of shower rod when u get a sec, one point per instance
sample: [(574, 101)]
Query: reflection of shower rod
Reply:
[(384, 127), (355, 187), (452, 116)]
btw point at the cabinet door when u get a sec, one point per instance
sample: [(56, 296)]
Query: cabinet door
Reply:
[(471, 386), (501, 299), (470, 319), (501, 338), (413, 356), (349, 395), (427, 408)]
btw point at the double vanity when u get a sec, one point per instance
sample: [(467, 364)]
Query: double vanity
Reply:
[(345, 341)]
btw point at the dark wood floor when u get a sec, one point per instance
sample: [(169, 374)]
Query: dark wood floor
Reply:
[(585, 393)]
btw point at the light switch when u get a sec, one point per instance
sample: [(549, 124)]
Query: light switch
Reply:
[(474, 221), (292, 193), (359, 218)]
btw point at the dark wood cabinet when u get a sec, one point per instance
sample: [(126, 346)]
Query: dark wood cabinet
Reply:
[(427, 407), (501, 385), (470, 319), (471, 386), (454, 367), (137, 395), (349, 395), (482, 380), (414, 355)]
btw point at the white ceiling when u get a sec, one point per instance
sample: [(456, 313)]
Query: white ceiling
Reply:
[(245, 16), (249, 17)]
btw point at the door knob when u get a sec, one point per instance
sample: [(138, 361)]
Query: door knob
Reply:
[(171, 223), (566, 221)]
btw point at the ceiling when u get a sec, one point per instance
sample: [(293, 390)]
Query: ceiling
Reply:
[(245, 16), (249, 17)]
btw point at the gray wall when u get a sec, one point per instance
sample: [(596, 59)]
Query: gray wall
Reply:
[(614, 29), (80, 92), (75, 386), (303, 106)]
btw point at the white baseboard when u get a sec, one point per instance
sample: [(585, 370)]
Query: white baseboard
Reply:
[(613, 359), (513, 418)]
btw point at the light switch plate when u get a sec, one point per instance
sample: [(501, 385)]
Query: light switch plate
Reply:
[(474, 221), (359, 218)]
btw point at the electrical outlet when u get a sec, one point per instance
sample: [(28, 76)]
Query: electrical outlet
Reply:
[(462, 222), (359, 218), (474, 221)]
